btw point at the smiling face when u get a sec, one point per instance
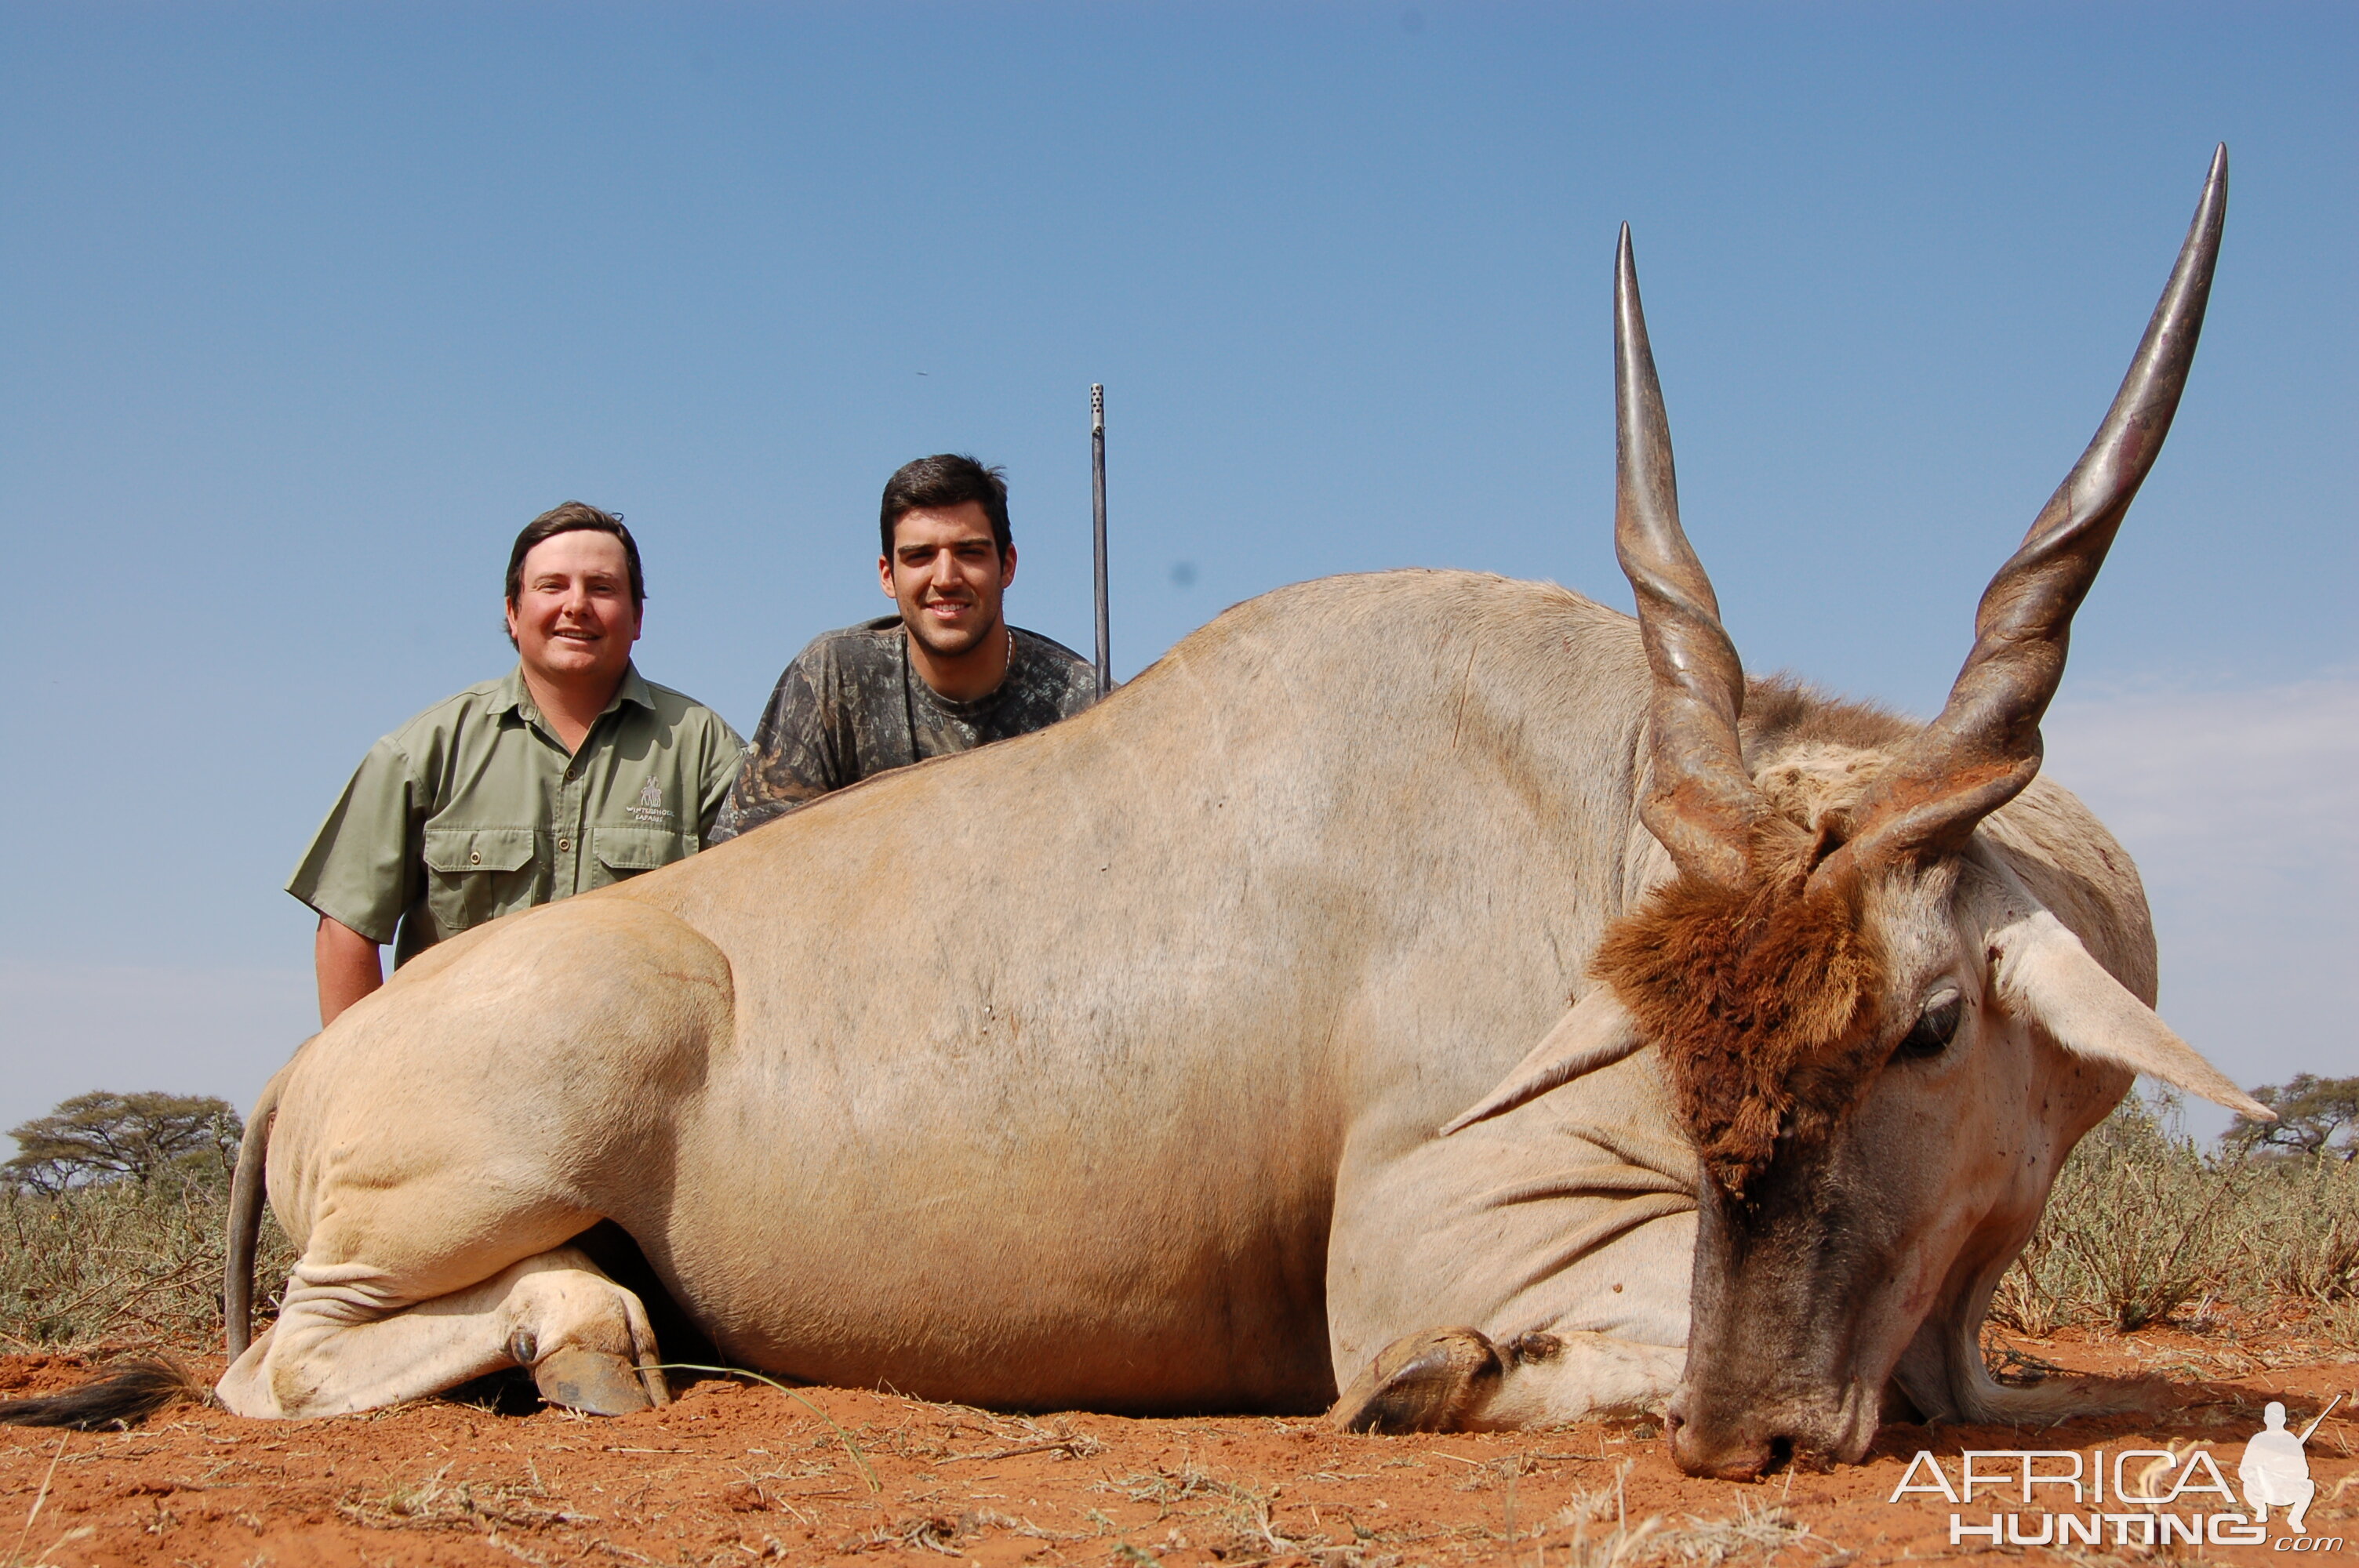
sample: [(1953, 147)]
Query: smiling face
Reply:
[(947, 574), (572, 618)]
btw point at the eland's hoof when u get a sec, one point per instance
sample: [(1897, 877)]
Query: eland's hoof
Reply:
[(591, 1381), (1426, 1382)]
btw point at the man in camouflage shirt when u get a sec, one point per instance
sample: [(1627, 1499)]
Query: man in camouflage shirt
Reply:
[(948, 674)]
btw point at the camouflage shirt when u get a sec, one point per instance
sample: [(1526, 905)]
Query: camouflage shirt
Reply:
[(850, 707)]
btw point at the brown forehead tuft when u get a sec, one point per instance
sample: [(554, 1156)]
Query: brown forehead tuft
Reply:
[(1761, 1003)]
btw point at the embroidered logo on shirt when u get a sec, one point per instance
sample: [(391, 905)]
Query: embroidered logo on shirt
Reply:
[(650, 811)]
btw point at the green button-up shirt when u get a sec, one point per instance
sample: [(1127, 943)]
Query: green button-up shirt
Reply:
[(474, 809)]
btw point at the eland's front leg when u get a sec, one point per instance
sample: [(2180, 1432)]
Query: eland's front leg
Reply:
[(1528, 1269), (1459, 1380)]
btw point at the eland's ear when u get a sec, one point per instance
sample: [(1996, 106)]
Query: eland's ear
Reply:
[(1596, 1032), (2046, 975)]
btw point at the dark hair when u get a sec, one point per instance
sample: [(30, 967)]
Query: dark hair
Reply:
[(574, 517), (947, 479)]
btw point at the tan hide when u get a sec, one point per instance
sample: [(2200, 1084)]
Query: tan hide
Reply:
[(1595, 1032)]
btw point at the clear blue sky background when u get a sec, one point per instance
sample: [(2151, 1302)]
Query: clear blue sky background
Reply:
[(305, 310)]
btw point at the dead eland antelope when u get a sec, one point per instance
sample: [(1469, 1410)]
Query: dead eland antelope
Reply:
[(1129, 1064)]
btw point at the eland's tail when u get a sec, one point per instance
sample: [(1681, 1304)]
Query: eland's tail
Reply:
[(246, 1192), (135, 1390)]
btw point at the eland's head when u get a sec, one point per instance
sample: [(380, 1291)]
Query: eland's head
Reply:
[(1881, 1040)]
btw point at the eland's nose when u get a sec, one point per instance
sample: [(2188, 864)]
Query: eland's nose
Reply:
[(1723, 1455)]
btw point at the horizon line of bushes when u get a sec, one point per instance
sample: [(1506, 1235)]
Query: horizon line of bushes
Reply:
[(116, 1206)]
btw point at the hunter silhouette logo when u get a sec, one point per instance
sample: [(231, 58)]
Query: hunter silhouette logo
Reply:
[(2275, 1471), (2178, 1498)]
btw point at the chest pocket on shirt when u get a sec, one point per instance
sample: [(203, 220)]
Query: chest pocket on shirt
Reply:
[(475, 873), (626, 851)]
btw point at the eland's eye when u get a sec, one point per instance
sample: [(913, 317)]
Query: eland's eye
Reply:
[(1930, 1034)]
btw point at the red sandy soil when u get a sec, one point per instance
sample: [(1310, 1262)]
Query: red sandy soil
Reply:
[(737, 1473)]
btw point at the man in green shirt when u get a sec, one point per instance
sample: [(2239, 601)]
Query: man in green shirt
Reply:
[(567, 773)]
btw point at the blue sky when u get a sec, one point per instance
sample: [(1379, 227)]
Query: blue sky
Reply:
[(304, 310)]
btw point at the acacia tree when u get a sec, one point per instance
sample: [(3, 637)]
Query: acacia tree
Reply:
[(2311, 1111), (108, 1136)]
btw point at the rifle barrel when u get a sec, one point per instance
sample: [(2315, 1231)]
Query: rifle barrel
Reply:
[(1098, 535)]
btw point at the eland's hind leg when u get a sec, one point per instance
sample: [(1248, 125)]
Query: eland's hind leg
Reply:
[(437, 1148), (418, 1276), (344, 1342)]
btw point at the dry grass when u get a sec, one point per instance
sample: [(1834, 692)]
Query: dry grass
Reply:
[(2144, 1221), (1233, 1520), (1605, 1537), (121, 1262), (1751, 1532), (2143, 1224), (428, 1503)]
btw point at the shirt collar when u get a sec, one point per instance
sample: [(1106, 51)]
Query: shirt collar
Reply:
[(634, 688), (957, 708), (514, 696)]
